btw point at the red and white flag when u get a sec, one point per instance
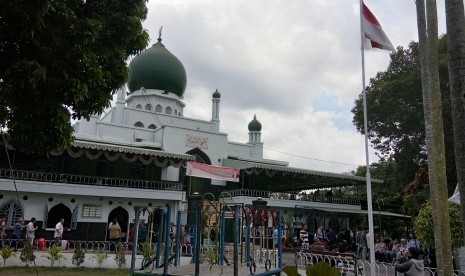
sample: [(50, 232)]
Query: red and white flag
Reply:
[(373, 31)]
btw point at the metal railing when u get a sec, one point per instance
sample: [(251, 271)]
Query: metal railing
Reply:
[(89, 180), (355, 266), (289, 196), (109, 246)]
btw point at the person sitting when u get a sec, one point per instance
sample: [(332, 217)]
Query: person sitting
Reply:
[(380, 248), (390, 252), (409, 263), (317, 245)]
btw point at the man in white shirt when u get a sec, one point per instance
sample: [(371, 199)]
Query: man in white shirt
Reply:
[(59, 230), (30, 234)]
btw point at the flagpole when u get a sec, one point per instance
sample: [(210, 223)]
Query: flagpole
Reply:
[(371, 242)]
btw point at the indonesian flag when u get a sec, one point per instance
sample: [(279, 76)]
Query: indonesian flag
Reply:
[(374, 32)]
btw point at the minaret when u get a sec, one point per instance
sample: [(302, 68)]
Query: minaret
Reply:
[(120, 104), (254, 130), (216, 109)]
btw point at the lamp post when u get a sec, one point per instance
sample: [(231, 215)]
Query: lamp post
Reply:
[(196, 201), (379, 215)]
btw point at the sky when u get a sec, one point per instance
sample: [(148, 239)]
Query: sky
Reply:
[(295, 64)]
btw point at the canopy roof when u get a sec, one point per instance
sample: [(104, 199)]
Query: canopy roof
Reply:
[(137, 151), (355, 212), (283, 178)]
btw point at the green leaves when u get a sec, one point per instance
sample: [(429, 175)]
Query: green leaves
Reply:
[(423, 225), (61, 58)]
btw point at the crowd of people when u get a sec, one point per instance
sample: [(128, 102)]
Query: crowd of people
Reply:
[(406, 254), (323, 239)]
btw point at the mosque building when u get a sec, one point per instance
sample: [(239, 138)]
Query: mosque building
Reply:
[(139, 153)]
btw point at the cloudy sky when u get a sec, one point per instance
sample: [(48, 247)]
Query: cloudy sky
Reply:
[(296, 64)]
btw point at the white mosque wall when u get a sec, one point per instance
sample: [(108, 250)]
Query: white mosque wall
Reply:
[(245, 150), (52, 188), (182, 140)]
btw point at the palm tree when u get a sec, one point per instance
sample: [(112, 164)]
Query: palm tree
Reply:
[(428, 38), (455, 21)]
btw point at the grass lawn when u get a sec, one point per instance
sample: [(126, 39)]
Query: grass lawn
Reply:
[(61, 271)]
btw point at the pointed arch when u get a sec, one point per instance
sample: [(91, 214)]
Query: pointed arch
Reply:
[(148, 107), (168, 110), (152, 126), (200, 156), (56, 213), (139, 106), (159, 108), (122, 215)]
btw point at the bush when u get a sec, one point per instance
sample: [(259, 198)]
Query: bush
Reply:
[(6, 253), (78, 256), (54, 254), (100, 257), (120, 256), (423, 226), (27, 255)]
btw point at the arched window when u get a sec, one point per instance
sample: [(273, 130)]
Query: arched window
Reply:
[(168, 110), (152, 126), (175, 112), (158, 108), (56, 213), (12, 211), (138, 124), (148, 107), (139, 106)]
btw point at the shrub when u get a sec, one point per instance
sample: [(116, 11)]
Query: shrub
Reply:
[(100, 257), (78, 256), (120, 256), (54, 254), (27, 255), (6, 253)]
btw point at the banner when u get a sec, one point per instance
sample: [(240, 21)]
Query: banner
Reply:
[(212, 172)]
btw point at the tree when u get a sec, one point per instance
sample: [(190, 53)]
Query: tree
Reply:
[(432, 106), (455, 21), (62, 60), (395, 108)]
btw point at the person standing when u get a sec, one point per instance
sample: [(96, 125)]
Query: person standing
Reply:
[(59, 231), (2, 230), (413, 242), (303, 235), (30, 231), (142, 232), (17, 232), (320, 233), (114, 233)]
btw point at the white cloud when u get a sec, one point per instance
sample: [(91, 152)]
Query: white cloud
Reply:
[(296, 64)]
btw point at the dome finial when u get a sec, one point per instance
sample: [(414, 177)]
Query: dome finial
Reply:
[(159, 33)]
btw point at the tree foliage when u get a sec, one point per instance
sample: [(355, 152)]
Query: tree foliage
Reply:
[(396, 121), (62, 60), (424, 228), (395, 108)]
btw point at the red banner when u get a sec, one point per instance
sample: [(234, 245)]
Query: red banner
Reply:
[(212, 172)]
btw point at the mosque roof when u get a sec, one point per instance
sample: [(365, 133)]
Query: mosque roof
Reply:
[(157, 68)]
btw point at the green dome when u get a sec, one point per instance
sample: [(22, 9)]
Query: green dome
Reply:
[(157, 68), (255, 125), (216, 94)]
